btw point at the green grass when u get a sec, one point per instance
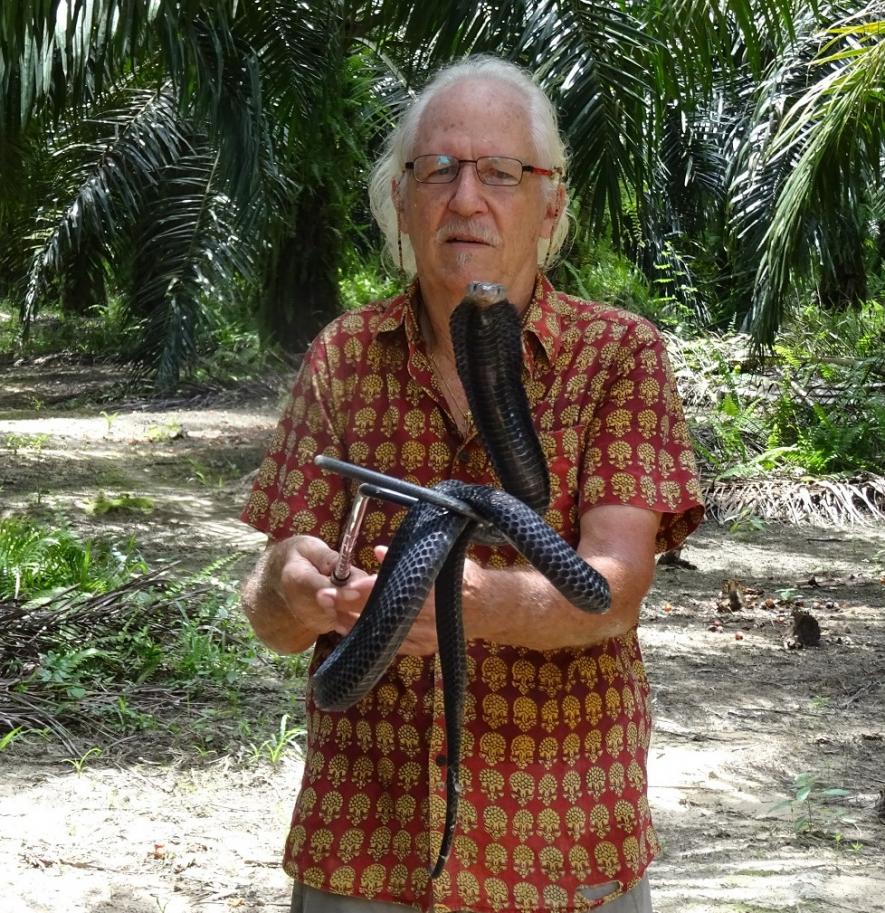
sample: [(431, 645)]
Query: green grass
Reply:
[(106, 650), (26, 442)]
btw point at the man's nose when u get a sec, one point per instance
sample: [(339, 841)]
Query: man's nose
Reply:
[(468, 192)]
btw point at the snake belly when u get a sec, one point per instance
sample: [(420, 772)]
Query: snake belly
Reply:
[(430, 544)]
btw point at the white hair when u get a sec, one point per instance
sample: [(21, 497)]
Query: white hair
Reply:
[(390, 168)]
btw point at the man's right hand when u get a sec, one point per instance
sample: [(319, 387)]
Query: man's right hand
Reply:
[(282, 598)]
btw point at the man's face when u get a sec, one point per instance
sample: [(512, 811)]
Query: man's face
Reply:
[(468, 231)]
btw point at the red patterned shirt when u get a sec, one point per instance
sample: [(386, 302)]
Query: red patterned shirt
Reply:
[(553, 766)]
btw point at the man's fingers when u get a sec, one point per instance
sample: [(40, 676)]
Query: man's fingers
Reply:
[(330, 597), (317, 553)]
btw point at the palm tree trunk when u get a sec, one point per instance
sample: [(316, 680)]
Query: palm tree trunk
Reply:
[(845, 284), (80, 289), (879, 260), (301, 292)]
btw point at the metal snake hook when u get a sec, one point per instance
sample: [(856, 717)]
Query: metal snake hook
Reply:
[(341, 572)]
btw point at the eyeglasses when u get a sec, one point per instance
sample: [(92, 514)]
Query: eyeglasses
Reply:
[(494, 170)]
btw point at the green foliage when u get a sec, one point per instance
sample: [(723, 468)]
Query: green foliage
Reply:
[(273, 748), (819, 142), (362, 282), (595, 271), (141, 656), (124, 503), (101, 329), (8, 739), (15, 442), (216, 475), (208, 645), (231, 349), (815, 407), (168, 431), (9, 326), (174, 154), (677, 304), (811, 807), (168, 161), (78, 765), (725, 417), (830, 415), (35, 560), (746, 525)]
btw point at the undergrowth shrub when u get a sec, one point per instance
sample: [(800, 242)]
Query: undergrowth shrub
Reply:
[(93, 643), (102, 331), (830, 415), (815, 405), (362, 281), (599, 273), (35, 560), (230, 346)]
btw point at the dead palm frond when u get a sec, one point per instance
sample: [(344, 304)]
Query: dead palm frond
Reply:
[(823, 502)]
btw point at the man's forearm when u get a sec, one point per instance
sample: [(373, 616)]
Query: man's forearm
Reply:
[(520, 607)]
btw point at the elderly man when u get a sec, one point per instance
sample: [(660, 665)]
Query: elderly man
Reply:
[(553, 813)]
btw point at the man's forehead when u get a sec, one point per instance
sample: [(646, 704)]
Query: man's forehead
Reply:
[(474, 107)]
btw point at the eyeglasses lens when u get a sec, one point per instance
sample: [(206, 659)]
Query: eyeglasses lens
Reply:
[(490, 169)]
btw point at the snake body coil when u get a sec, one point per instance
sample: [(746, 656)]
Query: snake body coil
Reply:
[(430, 544)]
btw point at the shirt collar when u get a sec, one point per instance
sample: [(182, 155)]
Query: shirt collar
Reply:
[(543, 318)]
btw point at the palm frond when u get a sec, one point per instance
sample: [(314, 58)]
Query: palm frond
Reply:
[(104, 165), (833, 139), (63, 58), (292, 43), (57, 55), (756, 177), (424, 36), (186, 248), (825, 502), (596, 60), (704, 39)]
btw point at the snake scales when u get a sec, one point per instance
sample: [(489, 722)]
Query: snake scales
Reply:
[(430, 544)]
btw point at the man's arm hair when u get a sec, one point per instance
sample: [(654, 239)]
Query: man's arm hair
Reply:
[(276, 621), (522, 608)]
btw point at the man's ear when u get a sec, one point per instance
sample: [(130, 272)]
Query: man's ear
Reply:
[(395, 195), (556, 206)]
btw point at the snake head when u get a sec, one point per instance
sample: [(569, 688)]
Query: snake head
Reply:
[(485, 293)]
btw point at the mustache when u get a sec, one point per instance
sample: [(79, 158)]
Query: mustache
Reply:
[(465, 229)]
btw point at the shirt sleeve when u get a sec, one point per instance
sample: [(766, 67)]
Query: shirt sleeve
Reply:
[(639, 450), (291, 495)]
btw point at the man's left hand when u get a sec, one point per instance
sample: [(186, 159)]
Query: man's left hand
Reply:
[(349, 600)]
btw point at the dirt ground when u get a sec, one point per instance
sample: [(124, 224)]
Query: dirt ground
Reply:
[(739, 712)]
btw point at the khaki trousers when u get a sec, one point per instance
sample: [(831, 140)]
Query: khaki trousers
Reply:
[(309, 900)]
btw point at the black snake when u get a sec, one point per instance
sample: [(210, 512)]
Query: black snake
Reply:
[(430, 544)]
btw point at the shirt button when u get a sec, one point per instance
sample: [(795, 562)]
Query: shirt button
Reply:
[(463, 456), (441, 760)]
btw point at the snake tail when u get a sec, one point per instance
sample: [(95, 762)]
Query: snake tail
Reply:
[(453, 659)]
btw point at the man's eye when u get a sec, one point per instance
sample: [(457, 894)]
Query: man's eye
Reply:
[(496, 176)]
